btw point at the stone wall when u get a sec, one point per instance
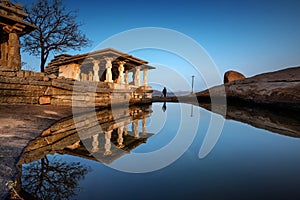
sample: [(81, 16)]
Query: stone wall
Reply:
[(22, 87), (26, 87)]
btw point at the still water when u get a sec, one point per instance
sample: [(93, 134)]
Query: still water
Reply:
[(245, 163)]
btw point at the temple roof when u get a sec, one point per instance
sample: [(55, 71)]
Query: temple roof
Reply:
[(64, 59), (13, 15)]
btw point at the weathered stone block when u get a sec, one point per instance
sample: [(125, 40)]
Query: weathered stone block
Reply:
[(37, 74), (46, 132), (35, 78), (52, 76), (8, 73), (19, 100), (20, 74), (27, 73), (45, 100), (46, 78)]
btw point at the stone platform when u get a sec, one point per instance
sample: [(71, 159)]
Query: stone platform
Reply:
[(26, 87)]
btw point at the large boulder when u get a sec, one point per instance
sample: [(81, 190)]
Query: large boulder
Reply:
[(231, 75)]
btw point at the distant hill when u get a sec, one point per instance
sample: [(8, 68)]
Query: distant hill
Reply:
[(157, 93)]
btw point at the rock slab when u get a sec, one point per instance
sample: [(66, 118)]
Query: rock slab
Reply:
[(279, 88)]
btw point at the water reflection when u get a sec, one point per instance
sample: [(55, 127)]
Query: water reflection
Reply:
[(52, 178), (164, 107), (248, 165), (117, 135), (284, 122), (56, 179), (281, 121)]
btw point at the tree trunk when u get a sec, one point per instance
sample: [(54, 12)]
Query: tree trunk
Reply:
[(43, 61)]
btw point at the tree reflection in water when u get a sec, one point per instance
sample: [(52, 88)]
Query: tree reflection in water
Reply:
[(53, 179)]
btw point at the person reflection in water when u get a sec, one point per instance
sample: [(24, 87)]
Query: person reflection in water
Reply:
[(164, 107), (164, 92)]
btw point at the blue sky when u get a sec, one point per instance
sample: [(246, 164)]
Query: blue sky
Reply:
[(248, 36)]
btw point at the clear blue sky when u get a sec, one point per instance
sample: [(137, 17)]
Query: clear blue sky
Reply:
[(249, 36)]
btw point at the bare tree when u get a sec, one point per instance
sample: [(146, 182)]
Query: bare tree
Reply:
[(57, 30)]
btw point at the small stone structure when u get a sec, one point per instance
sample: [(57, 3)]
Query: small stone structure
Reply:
[(12, 27)]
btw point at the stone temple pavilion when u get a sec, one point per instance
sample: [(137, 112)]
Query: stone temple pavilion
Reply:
[(119, 71), (107, 65)]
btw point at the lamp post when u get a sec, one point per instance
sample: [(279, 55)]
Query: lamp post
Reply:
[(193, 84)]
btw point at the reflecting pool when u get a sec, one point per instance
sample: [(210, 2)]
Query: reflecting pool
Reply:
[(87, 155)]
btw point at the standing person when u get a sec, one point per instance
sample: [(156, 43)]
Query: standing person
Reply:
[(164, 92)]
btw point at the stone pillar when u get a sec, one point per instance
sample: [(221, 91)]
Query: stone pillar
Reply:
[(144, 126), (90, 76), (145, 77), (135, 129), (120, 137), (96, 70), (136, 76), (83, 77), (14, 56), (125, 130), (95, 143), (78, 72), (121, 71), (108, 69), (107, 143), (126, 77)]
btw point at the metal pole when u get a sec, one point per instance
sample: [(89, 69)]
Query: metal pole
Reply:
[(193, 84)]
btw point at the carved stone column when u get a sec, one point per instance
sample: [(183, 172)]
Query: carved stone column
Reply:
[(120, 137), (83, 77), (90, 76), (96, 70), (107, 143), (78, 72), (14, 56), (95, 143), (136, 75), (144, 126), (125, 130), (135, 129), (121, 71), (126, 77), (145, 77), (108, 69)]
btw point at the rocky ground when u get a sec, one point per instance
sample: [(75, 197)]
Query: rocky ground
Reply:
[(18, 125)]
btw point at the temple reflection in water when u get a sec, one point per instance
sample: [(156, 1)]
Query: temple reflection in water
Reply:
[(119, 133), (104, 138)]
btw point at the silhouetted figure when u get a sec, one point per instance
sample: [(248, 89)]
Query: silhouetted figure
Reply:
[(164, 92), (164, 107)]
